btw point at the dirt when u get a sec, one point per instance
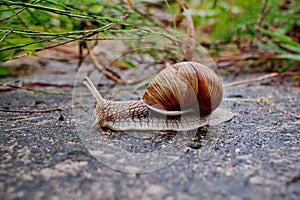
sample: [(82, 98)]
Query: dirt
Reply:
[(256, 155)]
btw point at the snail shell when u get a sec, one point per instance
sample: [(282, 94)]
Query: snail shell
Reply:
[(182, 97), (185, 86)]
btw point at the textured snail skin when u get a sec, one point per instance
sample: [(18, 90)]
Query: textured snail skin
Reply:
[(136, 115)]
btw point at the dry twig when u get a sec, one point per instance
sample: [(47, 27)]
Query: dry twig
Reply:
[(191, 33), (11, 87), (262, 13), (111, 74), (267, 76), (246, 56), (108, 73), (36, 111)]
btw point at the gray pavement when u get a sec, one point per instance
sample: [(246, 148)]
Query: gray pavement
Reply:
[(254, 156)]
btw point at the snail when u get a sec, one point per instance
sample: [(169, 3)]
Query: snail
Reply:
[(181, 97)]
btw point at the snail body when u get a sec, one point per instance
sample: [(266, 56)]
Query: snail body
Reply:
[(182, 97)]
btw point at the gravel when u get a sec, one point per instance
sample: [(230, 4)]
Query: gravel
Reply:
[(254, 156)]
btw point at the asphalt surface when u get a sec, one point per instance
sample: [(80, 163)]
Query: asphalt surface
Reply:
[(256, 155)]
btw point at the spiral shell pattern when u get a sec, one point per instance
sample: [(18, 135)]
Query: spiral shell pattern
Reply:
[(183, 86)]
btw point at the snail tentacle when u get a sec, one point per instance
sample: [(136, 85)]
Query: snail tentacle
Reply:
[(89, 84)]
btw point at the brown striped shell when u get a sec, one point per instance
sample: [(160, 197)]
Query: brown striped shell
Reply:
[(184, 87)]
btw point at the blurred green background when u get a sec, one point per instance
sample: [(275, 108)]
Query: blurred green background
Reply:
[(224, 27)]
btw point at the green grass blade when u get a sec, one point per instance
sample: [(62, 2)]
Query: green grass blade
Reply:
[(281, 38)]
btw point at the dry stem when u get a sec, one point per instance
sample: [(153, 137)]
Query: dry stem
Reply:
[(267, 76)]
